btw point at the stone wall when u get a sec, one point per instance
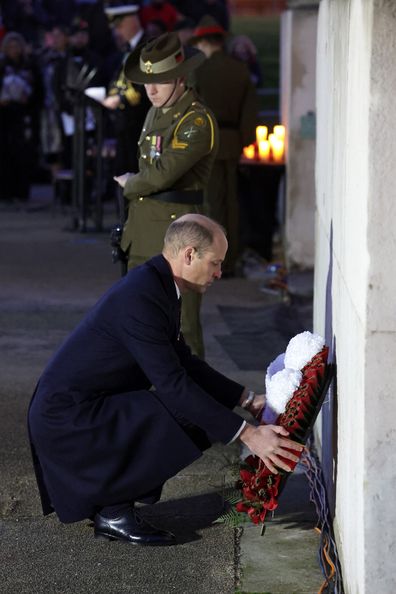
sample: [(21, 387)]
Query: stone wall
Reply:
[(298, 108), (355, 279)]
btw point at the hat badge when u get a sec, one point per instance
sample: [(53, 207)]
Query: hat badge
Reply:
[(148, 67)]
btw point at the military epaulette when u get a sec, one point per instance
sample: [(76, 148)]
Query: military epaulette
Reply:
[(199, 105)]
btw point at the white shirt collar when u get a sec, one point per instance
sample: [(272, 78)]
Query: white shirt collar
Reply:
[(177, 290), (135, 39)]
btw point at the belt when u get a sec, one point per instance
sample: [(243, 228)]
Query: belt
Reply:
[(179, 196)]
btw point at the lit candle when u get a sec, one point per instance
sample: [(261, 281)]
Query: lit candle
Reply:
[(264, 150), (277, 148), (249, 151), (261, 133), (279, 132)]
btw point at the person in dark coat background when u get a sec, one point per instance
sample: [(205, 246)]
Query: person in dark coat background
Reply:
[(124, 405), (20, 98)]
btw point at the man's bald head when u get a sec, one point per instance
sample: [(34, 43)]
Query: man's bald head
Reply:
[(193, 230)]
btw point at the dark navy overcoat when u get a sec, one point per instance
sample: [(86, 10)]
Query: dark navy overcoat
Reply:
[(107, 420)]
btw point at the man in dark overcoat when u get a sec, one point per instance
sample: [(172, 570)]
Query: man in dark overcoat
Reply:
[(124, 405)]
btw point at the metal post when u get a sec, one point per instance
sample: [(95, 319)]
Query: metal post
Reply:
[(99, 169), (82, 164), (75, 182), (121, 214)]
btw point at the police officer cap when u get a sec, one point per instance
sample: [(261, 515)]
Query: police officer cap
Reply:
[(116, 13), (161, 60)]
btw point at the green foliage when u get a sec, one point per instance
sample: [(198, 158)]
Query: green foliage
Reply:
[(231, 495), (231, 517)]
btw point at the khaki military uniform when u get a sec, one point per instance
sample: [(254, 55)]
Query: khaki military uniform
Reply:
[(177, 150), (224, 85)]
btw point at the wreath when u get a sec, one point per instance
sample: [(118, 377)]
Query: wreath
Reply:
[(296, 384)]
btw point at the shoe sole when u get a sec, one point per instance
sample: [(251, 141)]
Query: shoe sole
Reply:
[(110, 537)]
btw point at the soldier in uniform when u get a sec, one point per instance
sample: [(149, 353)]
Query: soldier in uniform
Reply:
[(129, 102), (178, 145), (233, 100)]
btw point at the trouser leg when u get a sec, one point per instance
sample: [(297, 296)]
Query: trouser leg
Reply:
[(111, 512), (221, 204)]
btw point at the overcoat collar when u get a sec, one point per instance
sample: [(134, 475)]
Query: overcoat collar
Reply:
[(163, 268)]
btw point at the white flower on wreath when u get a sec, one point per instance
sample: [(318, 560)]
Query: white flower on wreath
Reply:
[(284, 373), (302, 348)]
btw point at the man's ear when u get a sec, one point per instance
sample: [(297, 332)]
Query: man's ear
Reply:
[(189, 255)]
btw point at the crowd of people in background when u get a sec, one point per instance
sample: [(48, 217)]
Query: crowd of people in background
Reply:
[(43, 46)]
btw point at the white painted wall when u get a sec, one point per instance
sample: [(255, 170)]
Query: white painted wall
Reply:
[(298, 66), (356, 238)]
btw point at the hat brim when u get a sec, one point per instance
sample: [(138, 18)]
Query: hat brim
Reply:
[(204, 33), (192, 59)]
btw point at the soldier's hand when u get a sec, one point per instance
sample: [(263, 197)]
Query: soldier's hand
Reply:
[(269, 442), (111, 102), (122, 179)]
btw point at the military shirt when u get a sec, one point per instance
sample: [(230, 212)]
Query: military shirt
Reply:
[(177, 148)]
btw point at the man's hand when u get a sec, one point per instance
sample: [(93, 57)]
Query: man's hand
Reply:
[(269, 442), (111, 101), (122, 179)]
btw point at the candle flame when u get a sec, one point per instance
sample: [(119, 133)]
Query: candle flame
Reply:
[(249, 151)]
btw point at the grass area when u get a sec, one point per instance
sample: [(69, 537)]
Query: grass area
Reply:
[(264, 31)]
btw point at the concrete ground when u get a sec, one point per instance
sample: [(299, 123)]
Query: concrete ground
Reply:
[(49, 278)]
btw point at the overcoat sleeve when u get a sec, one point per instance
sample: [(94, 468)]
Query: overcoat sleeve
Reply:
[(219, 386), (192, 138), (146, 332)]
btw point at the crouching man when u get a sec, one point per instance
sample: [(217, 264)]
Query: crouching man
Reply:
[(124, 405)]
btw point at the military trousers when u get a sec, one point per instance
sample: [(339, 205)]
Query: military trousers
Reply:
[(145, 230), (221, 204)]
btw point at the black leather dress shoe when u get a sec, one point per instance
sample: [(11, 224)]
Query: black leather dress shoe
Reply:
[(131, 528)]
